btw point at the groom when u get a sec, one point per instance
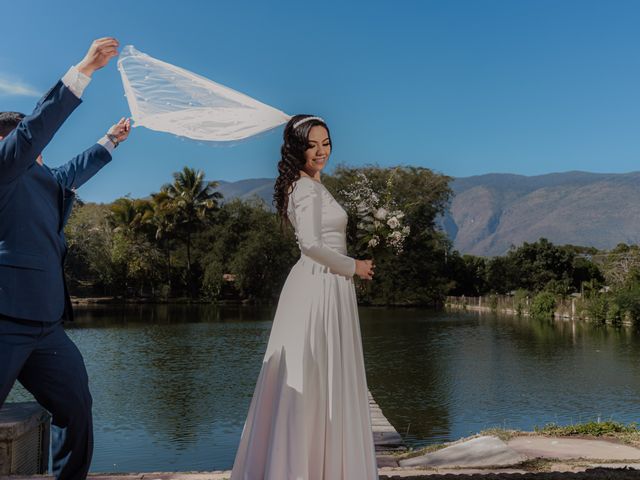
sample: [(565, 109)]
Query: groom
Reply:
[(35, 202)]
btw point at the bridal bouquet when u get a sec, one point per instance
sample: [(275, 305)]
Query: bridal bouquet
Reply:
[(380, 228)]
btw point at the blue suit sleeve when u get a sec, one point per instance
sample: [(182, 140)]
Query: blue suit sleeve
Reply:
[(19, 149), (81, 168)]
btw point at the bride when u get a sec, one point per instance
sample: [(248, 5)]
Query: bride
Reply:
[(309, 417)]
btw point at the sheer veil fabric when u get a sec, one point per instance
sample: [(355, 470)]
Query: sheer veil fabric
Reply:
[(167, 98), (309, 417)]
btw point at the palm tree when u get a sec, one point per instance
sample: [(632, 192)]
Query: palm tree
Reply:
[(129, 220), (164, 221), (191, 200), (129, 215)]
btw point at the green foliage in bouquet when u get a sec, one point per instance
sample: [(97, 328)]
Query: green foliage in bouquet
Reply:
[(380, 229)]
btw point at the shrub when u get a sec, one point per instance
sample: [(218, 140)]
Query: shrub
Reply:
[(614, 314), (597, 308), (493, 302), (543, 305), (628, 300), (520, 301)]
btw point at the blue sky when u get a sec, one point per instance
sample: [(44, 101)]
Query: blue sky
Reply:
[(462, 87)]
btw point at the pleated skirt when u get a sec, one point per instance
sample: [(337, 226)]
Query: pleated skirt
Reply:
[(309, 417)]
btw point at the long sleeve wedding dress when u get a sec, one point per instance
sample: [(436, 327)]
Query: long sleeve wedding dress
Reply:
[(309, 417)]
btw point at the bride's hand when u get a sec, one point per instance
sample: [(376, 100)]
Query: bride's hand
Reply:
[(364, 269)]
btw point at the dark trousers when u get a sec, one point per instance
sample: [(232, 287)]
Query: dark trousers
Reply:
[(47, 363)]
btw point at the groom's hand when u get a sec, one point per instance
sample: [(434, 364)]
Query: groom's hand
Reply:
[(120, 131), (99, 54)]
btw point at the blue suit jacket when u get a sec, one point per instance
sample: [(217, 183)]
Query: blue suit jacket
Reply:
[(35, 203)]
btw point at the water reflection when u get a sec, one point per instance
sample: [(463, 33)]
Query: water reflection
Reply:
[(406, 357), (172, 384)]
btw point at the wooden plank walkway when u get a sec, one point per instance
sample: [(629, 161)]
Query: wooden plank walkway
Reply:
[(385, 436)]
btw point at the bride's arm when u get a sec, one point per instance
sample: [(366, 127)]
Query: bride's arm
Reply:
[(307, 207)]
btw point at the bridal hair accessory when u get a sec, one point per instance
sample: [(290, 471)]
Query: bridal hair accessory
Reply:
[(308, 119), (167, 98)]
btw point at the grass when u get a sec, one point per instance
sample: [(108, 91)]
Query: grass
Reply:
[(421, 451), (626, 433), (629, 433), (536, 464), (502, 433)]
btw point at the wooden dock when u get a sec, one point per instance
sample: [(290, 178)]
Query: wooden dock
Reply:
[(385, 436)]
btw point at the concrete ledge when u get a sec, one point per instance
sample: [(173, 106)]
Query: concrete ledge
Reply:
[(16, 419), (482, 451)]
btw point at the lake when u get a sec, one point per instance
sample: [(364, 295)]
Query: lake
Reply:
[(172, 383)]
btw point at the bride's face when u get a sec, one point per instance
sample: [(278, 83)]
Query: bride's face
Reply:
[(317, 154)]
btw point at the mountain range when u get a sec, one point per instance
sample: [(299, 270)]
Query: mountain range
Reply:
[(490, 213)]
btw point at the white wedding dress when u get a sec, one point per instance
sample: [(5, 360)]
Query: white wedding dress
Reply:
[(309, 417)]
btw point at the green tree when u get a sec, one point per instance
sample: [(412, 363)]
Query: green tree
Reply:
[(248, 243), (500, 275), (89, 237), (469, 274), (130, 215), (193, 200), (540, 264), (134, 255)]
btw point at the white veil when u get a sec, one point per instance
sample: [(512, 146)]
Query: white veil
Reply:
[(170, 99)]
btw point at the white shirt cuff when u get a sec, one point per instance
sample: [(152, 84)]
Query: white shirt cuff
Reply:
[(108, 144), (76, 81)]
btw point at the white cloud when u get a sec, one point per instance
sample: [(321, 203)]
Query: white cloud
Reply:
[(16, 87)]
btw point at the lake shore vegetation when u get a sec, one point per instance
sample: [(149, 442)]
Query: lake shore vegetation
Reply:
[(187, 242)]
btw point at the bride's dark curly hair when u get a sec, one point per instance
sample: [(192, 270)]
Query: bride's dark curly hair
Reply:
[(295, 142)]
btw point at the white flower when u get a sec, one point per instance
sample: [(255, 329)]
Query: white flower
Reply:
[(395, 236), (374, 241), (380, 214), (377, 224), (393, 222), (406, 230)]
